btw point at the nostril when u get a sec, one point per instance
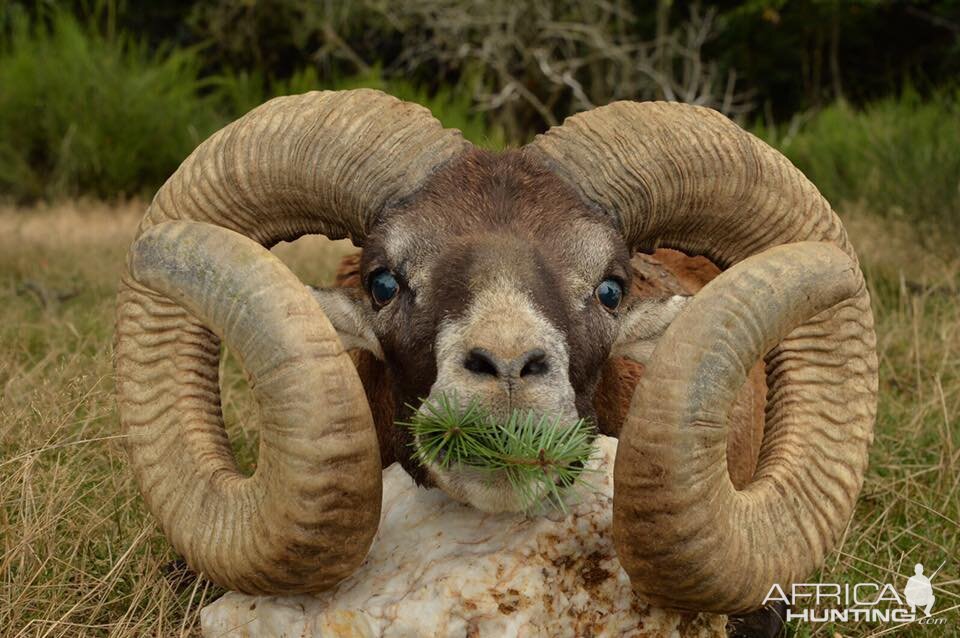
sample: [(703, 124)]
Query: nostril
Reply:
[(479, 361), (536, 364)]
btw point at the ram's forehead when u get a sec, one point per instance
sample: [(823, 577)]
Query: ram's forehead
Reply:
[(534, 217), (591, 248), (410, 246), (582, 248)]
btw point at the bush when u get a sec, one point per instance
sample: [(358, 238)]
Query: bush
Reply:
[(84, 114), (900, 156)]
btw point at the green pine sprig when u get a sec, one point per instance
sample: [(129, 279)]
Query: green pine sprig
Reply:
[(538, 457)]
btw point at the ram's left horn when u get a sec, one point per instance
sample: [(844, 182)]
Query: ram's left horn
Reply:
[(331, 163), (307, 515)]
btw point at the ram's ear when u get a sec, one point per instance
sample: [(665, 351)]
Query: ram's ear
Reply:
[(643, 323), (351, 315)]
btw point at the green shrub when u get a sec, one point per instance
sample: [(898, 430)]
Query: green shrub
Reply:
[(86, 114), (901, 156), (81, 113)]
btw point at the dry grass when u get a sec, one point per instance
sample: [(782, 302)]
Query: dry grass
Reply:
[(80, 556)]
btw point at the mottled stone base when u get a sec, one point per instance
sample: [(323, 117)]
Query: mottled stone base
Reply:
[(439, 568)]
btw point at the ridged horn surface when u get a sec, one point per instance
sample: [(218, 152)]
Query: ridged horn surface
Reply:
[(688, 178), (332, 163), (308, 512), (673, 487)]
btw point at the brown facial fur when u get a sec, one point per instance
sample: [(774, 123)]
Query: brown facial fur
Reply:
[(665, 272), (486, 223), (489, 215)]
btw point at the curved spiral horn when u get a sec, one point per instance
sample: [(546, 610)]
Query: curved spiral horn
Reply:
[(330, 163), (688, 178)]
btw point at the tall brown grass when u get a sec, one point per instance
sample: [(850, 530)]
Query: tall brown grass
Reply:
[(80, 556)]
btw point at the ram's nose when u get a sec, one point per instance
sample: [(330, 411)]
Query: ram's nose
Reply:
[(484, 362)]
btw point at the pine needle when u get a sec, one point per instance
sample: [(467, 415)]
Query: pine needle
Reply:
[(539, 456)]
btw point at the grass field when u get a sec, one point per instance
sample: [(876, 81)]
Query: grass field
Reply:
[(79, 555)]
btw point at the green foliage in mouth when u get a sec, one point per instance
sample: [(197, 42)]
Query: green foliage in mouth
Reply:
[(541, 457)]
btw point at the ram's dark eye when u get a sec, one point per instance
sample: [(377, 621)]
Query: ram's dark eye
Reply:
[(383, 286), (609, 293)]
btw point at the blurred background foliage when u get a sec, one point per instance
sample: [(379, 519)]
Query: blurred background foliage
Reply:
[(106, 97)]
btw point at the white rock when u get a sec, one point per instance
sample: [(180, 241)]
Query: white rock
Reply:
[(440, 568)]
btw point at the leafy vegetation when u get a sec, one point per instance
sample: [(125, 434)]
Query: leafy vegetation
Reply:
[(88, 110), (901, 156), (790, 56), (84, 114)]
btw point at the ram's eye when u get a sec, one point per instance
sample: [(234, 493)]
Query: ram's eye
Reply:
[(609, 293), (383, 286)]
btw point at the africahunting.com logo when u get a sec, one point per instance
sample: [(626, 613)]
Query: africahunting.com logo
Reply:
[(870, 602)]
